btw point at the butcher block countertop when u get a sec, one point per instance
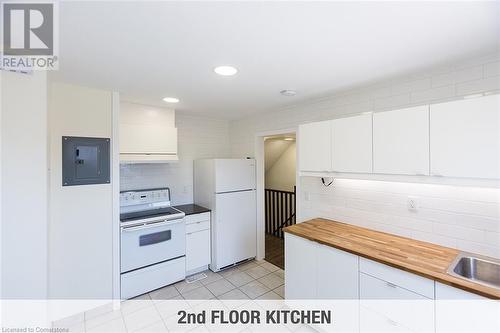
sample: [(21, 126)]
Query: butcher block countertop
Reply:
[(421, 258)]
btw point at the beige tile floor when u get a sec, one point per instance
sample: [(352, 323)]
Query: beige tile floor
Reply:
[(255, 280)]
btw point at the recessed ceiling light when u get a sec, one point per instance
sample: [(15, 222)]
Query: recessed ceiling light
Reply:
[(288, 92), (225, 70), (289, 139), (171, 100)]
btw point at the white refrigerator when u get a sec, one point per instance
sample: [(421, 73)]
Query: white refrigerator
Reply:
[(227, 187)]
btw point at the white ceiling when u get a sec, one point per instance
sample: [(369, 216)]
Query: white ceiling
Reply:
[(149, 50)]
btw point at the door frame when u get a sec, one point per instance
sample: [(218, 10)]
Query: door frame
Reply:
[(260, 180)]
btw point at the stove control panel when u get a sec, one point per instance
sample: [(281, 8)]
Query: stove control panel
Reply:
[(145, 197)]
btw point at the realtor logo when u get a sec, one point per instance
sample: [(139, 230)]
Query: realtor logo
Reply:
[(29, 35)]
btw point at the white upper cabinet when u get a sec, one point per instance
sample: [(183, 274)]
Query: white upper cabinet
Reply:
[(465, 138), (401, 141), (315, 146), (147, 134), (352, 144), (147, 139)]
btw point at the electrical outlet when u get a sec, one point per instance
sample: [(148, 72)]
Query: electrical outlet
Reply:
[(412, 204)]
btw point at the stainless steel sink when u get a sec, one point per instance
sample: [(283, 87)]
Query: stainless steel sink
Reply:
[(478, 269)]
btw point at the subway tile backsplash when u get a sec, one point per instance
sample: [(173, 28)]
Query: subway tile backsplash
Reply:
[(466, 218)]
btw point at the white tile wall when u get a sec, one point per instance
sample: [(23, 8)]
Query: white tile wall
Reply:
[(198, 137), (463, 217), (467, 218)]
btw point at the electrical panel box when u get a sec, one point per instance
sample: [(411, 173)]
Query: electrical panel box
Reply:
[(85, 161)]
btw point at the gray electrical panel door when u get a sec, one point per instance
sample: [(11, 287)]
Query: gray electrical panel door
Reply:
[(85, 160)]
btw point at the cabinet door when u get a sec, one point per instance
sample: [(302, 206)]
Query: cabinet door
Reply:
[(338, 275), (197, 249), (460, 311), (352, 144), (300, 268), (147, 139), (314, 142), (465, 138), (401, 141)]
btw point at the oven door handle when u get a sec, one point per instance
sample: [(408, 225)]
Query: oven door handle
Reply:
[(151, 225)]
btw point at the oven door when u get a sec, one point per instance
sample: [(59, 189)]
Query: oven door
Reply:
[(152, 243)]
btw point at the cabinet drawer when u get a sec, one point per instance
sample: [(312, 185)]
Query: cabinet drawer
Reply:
[(152, 277), (197, 218), (409, 281), (402, 308), (197, 226), (371, 321), (373, 288)]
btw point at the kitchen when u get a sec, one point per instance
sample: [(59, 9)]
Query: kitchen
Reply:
[(165, 154)]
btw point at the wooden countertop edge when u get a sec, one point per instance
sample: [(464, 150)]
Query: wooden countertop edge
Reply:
[(441, 277)]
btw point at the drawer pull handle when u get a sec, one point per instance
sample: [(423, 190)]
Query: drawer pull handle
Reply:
[(391, 285)]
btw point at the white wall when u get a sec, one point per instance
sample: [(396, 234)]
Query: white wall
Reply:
[(80, 229), (273, 149), (198, 137), (469, 223), (24, 185), (281, 174)]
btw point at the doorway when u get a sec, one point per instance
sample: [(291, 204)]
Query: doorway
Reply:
[(279, 193)]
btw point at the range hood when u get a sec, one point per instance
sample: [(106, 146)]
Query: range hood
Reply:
[(147, 134)]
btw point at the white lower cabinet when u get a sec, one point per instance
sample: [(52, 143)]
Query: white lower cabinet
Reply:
[(339, 278), (197, 249), (307, 277), (461, 311), (197, 242), (390, 299), (300, 268)]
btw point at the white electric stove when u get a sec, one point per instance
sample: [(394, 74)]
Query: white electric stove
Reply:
[(153, 241)]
